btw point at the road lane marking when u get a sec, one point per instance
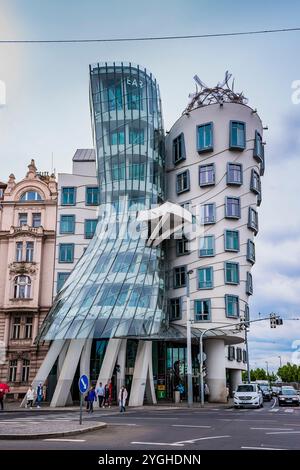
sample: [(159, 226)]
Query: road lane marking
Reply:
[(284, 432), (261, 448), (274, 429), (151, 418), (289, 411), (191, 441), (275, 401), (189, 426), (124, 424), (64, 440), (157, 443), (273, 410)]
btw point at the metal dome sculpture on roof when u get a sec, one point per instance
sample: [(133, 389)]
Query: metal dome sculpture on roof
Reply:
[(223, 92)]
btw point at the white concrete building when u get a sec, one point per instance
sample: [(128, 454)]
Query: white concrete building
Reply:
[(78, 201)]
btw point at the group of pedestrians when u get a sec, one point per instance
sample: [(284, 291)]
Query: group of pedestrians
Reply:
[(33, 396), (104, 396)]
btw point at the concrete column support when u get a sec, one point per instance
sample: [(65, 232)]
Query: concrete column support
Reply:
[(121, 361), (68, 370), (109, 361), (235, 378), (85, 359), (216, 371), (143, 376)]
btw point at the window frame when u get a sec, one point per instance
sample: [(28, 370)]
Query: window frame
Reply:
[(60, 245), (19, 252), (249, 283), (182, 149), (62, 196), (202, 219), (34, 214), (58, 281), (227, 216), (20, 215), (236, 297), (85, 225), (206, 286), (175, 286), (226, 237), (187, 180), (255, 176), (250, 250), (171, 316), (236, 146), (231, 353), (87, 188), (29, 251), (258, 150), (213, 182), (185, 243), (237, 271), (199, 320), (71, 216), (27, 287), (213, 243), (209, 148), (252, 226), (230, 182)]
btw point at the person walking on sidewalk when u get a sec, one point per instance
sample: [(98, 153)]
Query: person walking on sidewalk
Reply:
[(90, 399), (122, 398), (39, 394), (100, 394), (30, 397), (2, 393)]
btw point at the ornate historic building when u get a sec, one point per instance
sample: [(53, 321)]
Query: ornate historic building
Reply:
[(27, 249)]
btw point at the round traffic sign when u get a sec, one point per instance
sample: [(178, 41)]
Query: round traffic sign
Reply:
[(83, 384)]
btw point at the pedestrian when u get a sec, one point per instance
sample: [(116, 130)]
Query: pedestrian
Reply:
[(2, 393), (30, 397), (122, 398), (90, 399), (100, 394), (227, 393), (106, 396), (206, 392), (180, 389), (110, 390), (39, 394)]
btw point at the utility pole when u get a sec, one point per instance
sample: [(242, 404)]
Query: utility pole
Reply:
[(247, 354), (189, 341), (280, 360)]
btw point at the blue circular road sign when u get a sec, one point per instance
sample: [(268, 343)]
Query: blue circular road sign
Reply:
[(83, 384)]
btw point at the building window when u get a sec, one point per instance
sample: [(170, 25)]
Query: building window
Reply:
[(16, 328), (19, 251), (66, 253), (231, 353), (22, 288), (234, 174), (137, 171), (68, 196), (249, 284), (250, 251), (237, 135), (13, 370), (183, 182), (92, 196), (175, 309), (247, 315), (262, 163), (61, 279), (179, 274), (208, 213), (134, 95), (205, 137), (232, 307), (255, 184), (202, 310), (114, 95), (117, 138), (67, 224), (207, 246), (239, 354), (25, 370), (36, 219), (205, 278), (118, 171), (28, 327), (136, 136), (182, 247), (244, 356), (90, 227), (232, 208), (253, 220), (232, 273), (178, 149), (22, 219), (30, 196), (232, 240), (258, 152), (125, 262), (207, 175), (29, 252)]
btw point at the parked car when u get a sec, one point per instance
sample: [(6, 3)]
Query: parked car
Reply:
[(248, 395), (266, 391), (288, 396), (275, 391)]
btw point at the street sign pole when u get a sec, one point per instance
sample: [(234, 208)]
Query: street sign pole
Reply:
[(83, 385), (80, 413)]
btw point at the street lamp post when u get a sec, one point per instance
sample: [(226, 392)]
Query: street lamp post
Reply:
[(280, 361), (189, 341), (267, 364), (247, 354)]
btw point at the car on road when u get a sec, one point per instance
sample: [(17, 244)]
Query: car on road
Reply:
[(248, 395), (275, 390), (288, 396), (266, 391)]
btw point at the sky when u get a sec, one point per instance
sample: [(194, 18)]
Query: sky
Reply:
[(47, 109)]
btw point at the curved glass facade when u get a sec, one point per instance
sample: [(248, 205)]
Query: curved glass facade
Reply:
[(117, 287)]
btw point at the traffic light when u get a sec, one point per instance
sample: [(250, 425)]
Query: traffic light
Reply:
[(273, 322)]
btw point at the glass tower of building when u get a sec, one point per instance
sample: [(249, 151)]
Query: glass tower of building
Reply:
[(117, 287)]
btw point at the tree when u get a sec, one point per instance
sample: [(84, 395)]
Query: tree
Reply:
[(289, 373)]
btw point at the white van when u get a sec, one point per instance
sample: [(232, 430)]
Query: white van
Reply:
[(248, 395)]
